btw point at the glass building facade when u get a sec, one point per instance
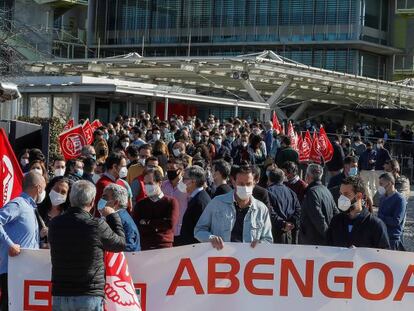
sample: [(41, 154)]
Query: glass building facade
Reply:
[(313, 32)]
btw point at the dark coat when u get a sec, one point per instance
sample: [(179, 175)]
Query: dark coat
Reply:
[(77, 245), (337, 162), (318, 208), (286, 154), (223, 153), (261, 194), (367, 231), (222, 189), (195, 208)]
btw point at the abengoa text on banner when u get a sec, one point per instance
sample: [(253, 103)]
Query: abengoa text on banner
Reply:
[(268, 277)]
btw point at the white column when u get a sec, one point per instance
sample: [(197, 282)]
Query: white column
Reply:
[(166, 109), (236, 110), (75, 107)]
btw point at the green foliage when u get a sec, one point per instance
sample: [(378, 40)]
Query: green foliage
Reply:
[(56, 127)]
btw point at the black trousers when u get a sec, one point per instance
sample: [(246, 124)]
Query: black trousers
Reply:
[(4, 298)]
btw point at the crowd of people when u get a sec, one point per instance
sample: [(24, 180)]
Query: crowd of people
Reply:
[(148, 184)]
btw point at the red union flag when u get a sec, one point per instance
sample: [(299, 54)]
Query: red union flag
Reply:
[(69, 125), (11, 175), (71, 142), (305, 146), (96, 124), (292, 135), (315, 155), (119, 288), (276, 125), (325, 146), (87, 132)]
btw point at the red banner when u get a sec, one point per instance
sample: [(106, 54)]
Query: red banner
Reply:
[(95, 125), (305, 146), (69, 125), (276, 125), (292, 135), (119, 288), (325, 146), (11, 175), (315, 155), (71, 142), (87, 132)]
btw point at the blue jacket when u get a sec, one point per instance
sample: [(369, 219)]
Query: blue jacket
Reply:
[(382, 156), (392, 211), (131, 231), (363, 161), (219, 216)]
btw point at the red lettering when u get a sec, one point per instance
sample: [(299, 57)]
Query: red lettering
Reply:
[(306, 288), (193, 281), (361, 281), (346, 281), (250, 276), (405, 287), (214, 275)]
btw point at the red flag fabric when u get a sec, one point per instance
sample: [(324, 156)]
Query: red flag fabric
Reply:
[(69, 125), (292, 135), (325, 146), (119, 288), (87, 132), (305, 147), (96, 124), (276, 125), (11, 175), (71, 142), (315, 155)]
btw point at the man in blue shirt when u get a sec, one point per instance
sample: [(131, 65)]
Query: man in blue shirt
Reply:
[(392, 210), (18, 226)]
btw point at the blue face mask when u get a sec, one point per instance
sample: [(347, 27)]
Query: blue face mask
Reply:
[(79, 173), (353, 171), (106, 136), (101, 204)]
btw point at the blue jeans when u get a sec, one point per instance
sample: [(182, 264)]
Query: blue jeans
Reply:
[(77, 303)]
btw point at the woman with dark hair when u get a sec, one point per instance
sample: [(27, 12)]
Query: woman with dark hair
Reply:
[(24, 158), (256, 151), (39, 166), (55, 203), (160, 151)]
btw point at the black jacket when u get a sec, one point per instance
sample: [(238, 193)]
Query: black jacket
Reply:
[(222, 189), (318, 208), (261, 194), (77, 244), (223, 153), (195, 208), (367, 231), (337, 162)]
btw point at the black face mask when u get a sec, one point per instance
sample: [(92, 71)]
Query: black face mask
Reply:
[(172, 175)]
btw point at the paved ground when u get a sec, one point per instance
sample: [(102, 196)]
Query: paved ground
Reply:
[(409, 226)]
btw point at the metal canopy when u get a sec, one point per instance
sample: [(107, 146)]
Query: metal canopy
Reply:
[(265, 78)]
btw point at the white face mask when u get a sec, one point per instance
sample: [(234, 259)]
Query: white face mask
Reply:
[(344, 204), (218, 142), (123, 172), (41, 197), (381, 190), (56, 198), (182, 187), (125, 144), (24, 162), (176, 152), (244, 143), (59, 172), (244, 192), (38, 170), (95, 178), (156, 136), (151, 190), (141, 161), (379, 146)]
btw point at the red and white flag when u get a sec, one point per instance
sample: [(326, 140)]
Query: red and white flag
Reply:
[(276, 125), (71, 142), (11, 175), (305, 146), (87, 132), (69, 125), (325, 146), (119, 288), (96, 124), (315, 155), (292, 135)]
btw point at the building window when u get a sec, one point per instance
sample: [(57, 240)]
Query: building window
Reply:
[(62, 107), (39, 106)]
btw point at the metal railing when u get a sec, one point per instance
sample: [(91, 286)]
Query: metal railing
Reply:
[(403, 64), (404, 7)]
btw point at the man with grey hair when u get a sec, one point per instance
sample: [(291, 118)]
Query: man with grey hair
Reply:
[(117, 196), (318, 208), (88, 151), (195, 181), (78, 242)]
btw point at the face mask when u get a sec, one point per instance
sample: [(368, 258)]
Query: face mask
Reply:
[(106, 136), (59, 172), (379, 146), (41, 197), (151, 190), (244, 192), (24, 162), (353, 171), (56, 198), (197, 138), (218, 142), (141, 161), (123, 172), (125, 144), (79, 172), (232, 139), (95, 178), (101, 204), (172, 175), (176, 152), (244, 144), (344, 204), (156, 136), (222, 131), (257, 131), (381, 190), (182, 187), (131, 137), (38, 170)]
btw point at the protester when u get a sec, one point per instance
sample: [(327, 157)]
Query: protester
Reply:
[(402, 183), (221, 151), (74, 170), (318, 208), (358, 146), (293, 181), (392, 210), (136, 170), (78, 273), (58, 166), (88, 151), (350, 169), (235, 216), (285, 208), (19, 227), (23, 158), (259, 193), (194, 180), (286, 152), (221, 174), (355, 226), (336, 164), (366, 166), (39, 167), (383, 155)]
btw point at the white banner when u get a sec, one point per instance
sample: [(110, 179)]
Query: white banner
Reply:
[(268, 277)]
